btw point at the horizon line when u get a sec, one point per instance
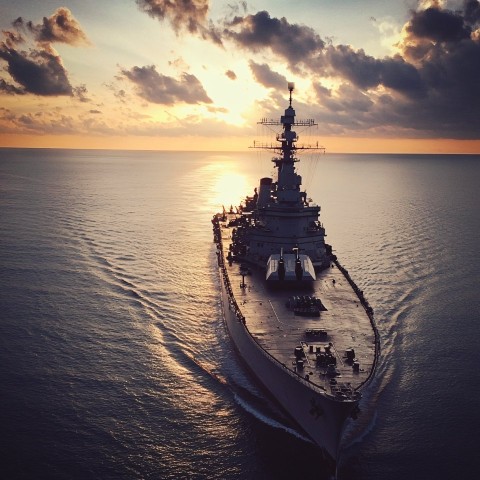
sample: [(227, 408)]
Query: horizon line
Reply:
[(105, 149)]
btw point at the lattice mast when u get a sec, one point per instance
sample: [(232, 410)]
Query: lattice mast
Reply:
[(287, 148)]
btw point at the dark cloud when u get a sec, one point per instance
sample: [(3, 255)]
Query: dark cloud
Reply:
[(301, 45), (472, 12), (10, 89), (367, 72), (438, 25), (430, 88), (291, 42), (448, 63), (265, 76), (402, 77), (60, 27), (231, 75), (361, 69), (440, 97), (348, 109), (18, 23), (39, 72), (183, 15), (158, 88)]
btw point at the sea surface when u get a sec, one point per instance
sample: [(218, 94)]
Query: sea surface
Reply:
[(114, 359)]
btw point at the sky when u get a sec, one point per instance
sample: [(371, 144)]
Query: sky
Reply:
[(376, 75)]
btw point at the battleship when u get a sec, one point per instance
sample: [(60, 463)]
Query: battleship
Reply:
[(294, 314)]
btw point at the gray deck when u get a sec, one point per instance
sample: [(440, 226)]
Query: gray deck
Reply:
[(278, 330)]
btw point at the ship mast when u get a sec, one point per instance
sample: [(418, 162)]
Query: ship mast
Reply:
[(288, 182)]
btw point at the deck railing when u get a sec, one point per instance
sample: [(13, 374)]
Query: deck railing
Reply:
[(369, 311)]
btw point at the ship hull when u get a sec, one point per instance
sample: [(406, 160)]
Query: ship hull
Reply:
[(318, 415)]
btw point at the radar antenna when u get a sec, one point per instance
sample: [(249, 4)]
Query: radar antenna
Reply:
[(291, 86)]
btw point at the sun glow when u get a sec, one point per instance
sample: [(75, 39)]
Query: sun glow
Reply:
[(230, 188)]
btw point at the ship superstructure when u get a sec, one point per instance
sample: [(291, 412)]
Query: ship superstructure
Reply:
[(280, 217), (295, 316)]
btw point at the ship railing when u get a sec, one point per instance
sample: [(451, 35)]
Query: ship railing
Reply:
[(294, 148), (369, 312), (238, 314), (309, 122), (267, 146)]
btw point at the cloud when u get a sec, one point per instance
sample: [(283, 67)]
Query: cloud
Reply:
[(189, 14), (291, 42), (12, 39), (10, 89), (399, 75), (81, 119), (80, 93), (367, 72), (299, 44), (183, 15), (433, 33), (60, 27), (39, 72), (472, 12), (438, 25), (266, 77), (48, 122), (430, 87), (448, 62), (361, 69), (158, 88), (213, 109)]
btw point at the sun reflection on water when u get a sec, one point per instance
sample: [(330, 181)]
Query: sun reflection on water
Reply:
[(230, 187)]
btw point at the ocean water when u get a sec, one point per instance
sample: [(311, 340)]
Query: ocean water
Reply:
[(114, 360)]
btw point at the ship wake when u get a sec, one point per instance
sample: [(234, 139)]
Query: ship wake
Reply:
[(263, 413)]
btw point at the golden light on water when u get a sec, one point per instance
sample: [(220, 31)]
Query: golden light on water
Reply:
[(230, 188)]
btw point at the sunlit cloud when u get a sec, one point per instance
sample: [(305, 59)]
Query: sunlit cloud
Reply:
[(158, 88), (61, 27), (264, 75), (40, 70), (189, 15), (389, 31), (222, 72), (429, 87)]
